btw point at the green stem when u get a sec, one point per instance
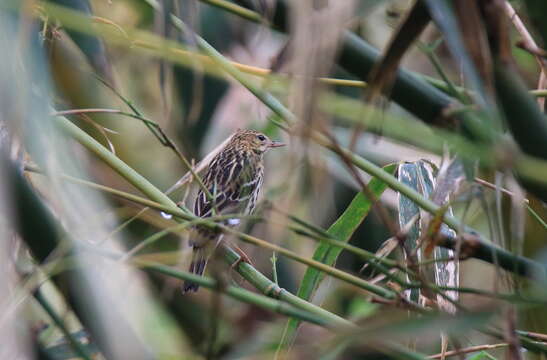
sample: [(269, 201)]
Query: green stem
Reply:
[(230, 7), (271, 101), (274, 268), (257, 279), (342, 275), (536, 216), (483, 250), (78, 348), (102, 111), (324, 319), (191, 219), (269, 288), (478, 247), (122, 194)]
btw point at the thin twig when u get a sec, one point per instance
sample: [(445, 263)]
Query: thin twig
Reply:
[(533, 335), (529, 43), (494, 187), (158, 132), (468, 350), (377, 205)]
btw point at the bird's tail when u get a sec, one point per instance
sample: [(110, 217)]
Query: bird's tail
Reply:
[(197, 267)]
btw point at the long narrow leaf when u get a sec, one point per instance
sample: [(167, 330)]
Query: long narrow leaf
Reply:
[(342, 230)]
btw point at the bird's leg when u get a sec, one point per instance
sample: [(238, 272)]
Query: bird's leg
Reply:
[(242, 258)]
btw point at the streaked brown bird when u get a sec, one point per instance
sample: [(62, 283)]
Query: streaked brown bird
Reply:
[(233, 179)]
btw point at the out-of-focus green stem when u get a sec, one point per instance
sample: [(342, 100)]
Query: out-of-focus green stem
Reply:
[(381, 264), (78, 348), (246, 270), (248, 297), (358, 57), (352, 279), (486, 251), (482, 249)]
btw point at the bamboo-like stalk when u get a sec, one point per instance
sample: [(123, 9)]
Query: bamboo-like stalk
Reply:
[(480, 249), (358, 57), (468, 350), (257, 279), (383, 264), (281, 307), (78, 348), (477, 247), (43, 237), (485, 251), (342, 275)]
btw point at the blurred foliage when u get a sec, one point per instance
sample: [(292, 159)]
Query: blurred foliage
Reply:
[(148, 87)]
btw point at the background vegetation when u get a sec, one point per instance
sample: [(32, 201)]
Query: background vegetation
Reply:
[(404, 220)]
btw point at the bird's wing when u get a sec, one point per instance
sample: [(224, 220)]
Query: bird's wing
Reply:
[(230, 185)]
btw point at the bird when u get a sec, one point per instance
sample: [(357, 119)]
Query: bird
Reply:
[(233, 180)]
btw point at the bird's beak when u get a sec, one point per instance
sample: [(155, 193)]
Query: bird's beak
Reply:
[(274, 144)]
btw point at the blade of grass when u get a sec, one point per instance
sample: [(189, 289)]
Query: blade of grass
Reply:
[(78, 348), (359, 58), (342, 230), (246, 270), (485, 251), (243, 295)]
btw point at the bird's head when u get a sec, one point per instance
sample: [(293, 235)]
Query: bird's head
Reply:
[(255, 141)]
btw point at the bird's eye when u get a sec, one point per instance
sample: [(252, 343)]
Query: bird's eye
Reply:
[(261, 137)]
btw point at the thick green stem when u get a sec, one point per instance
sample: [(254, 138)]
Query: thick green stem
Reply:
[(78, 348), (477, 247), (248, 272), (324, 319), (358, 57), (481, 249)]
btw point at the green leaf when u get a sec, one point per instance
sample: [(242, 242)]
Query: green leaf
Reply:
[(342, 230), (360, 308), (482, 355)]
